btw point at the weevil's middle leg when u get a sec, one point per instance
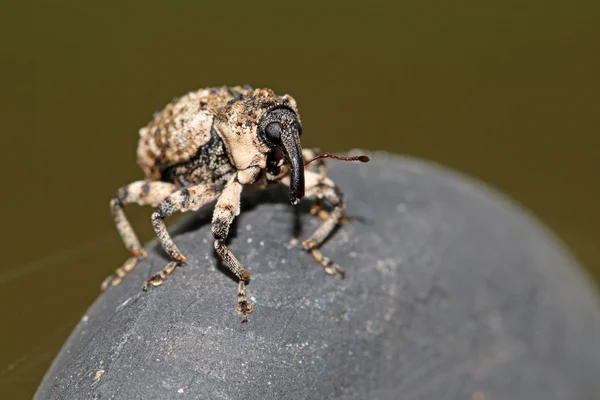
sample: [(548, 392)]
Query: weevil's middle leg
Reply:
[(143, 193), (185, 199)]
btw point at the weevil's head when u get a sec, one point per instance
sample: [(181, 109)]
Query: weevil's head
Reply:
[(280, 129), (261, 128)]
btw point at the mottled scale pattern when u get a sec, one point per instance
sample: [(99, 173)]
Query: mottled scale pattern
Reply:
[(209, 165), (177, 132)]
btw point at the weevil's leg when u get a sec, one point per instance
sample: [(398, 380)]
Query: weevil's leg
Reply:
[(319, 166), (243, 307), (316, 239), (323, 189), (321, 169), (185, 199), (144, 193), (226, 209), (317, 209)]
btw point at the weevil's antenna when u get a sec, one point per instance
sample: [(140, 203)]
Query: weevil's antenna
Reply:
[(328, 155)]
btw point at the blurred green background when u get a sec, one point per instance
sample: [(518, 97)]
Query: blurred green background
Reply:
[(506, 91)]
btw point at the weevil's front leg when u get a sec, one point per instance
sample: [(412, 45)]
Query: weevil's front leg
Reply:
[(318, 237), (186, 199), (243, 308), (144, 193), (320, 167), (226, 209), (323, 189)]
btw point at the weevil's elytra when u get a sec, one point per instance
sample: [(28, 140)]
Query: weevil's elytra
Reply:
[(206, 146)]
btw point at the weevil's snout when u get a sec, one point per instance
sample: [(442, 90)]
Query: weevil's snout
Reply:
[(293, 149), (280, 129)]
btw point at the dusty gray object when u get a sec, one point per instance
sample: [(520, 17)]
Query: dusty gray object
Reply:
[(451, 291)]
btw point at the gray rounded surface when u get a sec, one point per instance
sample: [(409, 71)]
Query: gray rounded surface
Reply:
[(450, 291)]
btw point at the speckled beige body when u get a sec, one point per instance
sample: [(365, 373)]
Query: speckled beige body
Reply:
[(208, 145), (177, 132)]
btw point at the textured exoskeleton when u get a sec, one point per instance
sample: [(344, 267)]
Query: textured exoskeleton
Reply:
[(206, 146)]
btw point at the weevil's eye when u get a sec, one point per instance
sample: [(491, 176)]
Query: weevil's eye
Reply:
[(273, 132)]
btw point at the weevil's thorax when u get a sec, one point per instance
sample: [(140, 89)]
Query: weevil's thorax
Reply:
[(237, 124), (210, 165), (177, 132)]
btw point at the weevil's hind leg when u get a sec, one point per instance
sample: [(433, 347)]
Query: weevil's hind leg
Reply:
[(117, 276), (186, 199), (226, 209), (144, 193)]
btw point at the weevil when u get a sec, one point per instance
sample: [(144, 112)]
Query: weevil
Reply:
[(206, 146)]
